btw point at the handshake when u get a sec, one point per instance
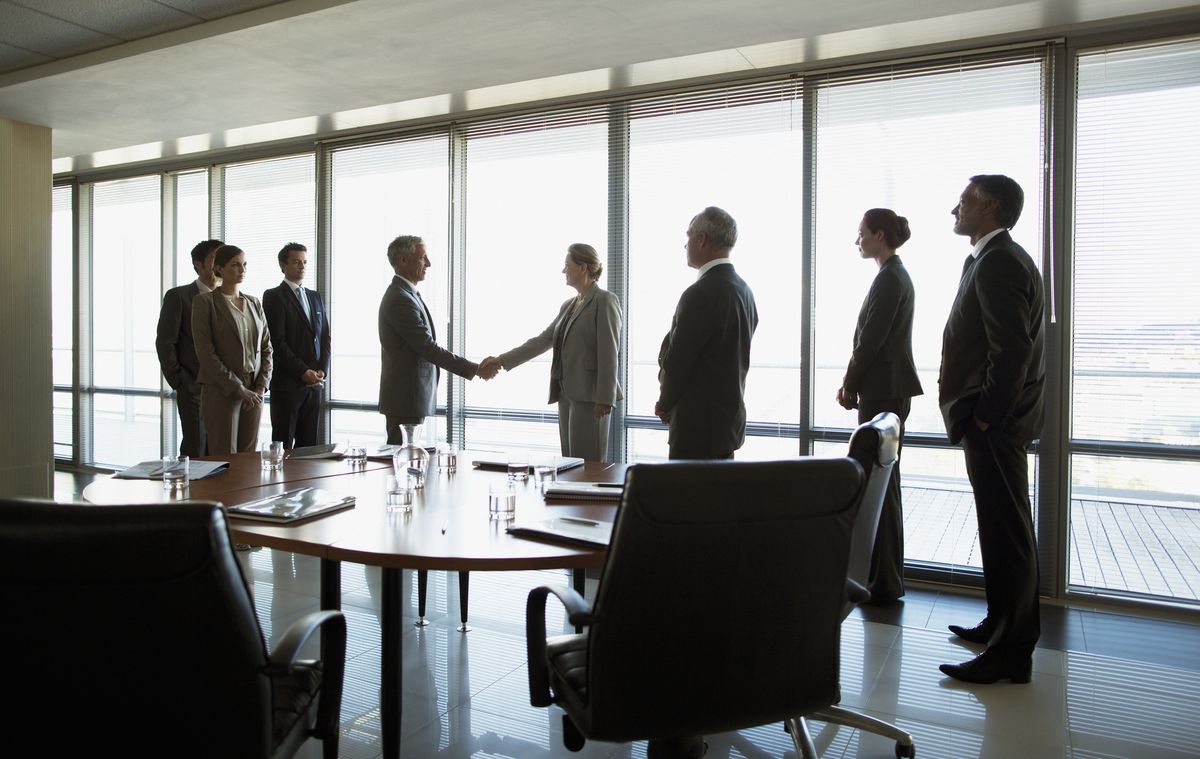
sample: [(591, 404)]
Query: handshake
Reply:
[(489, 367)]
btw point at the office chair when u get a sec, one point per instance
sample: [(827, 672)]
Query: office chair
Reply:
[(696, 545), (129, 630), (875, 446)]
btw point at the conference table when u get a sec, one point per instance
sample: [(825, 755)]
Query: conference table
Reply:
[(448, 529)]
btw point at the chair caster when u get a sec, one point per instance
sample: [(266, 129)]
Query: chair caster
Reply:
[(572, 738)]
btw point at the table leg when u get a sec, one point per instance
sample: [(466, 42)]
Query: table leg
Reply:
[(464, 586), (331, 584), (392, 669), (422, 592)]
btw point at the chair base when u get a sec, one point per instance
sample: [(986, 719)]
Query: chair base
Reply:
[(839, 715)]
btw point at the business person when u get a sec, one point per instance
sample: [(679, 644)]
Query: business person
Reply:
[(412, 359), (990, 391), (233, 347), (585, 337), (882, 376), (177, 351), (704, 358), (300, 338)]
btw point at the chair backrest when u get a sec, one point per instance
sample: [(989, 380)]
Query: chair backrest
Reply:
[(875, 445), (719, 603), (129, 627)]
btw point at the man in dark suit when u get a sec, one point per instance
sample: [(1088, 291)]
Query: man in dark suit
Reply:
[(177, 352), (990, 391), (412, 359), (704, 358), (299, 327)]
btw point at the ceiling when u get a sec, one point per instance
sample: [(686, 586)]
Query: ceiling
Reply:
[(130, 80)]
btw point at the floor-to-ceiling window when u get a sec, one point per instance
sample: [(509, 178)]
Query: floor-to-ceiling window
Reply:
[(910, 140), (379, 192), (532, 188), (62, 336), (1135, 374)]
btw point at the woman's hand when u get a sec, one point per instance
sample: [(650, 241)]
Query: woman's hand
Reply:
[(250, 398), (603, 410)]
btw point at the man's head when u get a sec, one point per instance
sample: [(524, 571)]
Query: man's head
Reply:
[(711, 235), (407, 256), (990, 202), (293, 257), (202, 260)]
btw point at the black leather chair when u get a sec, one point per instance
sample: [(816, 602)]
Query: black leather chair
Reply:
[(129, 631), (875, 446), (696, 547)]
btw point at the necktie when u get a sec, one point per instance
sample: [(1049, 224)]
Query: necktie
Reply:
[(304, 303)]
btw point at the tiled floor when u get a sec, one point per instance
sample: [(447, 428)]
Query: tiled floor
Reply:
[(1105, 685)]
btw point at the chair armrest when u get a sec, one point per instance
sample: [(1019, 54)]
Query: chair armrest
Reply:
[(856, 593), (285, 656), (578, 613)]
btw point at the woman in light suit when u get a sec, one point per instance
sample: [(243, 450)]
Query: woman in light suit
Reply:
[(585, 337), (233, 349), (882, 376)]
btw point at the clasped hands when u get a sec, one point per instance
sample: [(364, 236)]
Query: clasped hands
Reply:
[(251, 398), (312, 378)]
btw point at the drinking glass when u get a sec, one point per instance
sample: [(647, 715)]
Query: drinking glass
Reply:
[(502, 500), (398, 493), (447, 458), (272, 456), (545, 470), (356, 455), (175, 473), (518, 466)]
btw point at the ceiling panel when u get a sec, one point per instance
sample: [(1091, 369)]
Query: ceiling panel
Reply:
[(121, 19), (31, 30)]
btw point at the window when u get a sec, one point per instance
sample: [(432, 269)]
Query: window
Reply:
[(741, 150), (1135, 340), (62, 274), (531, 191)]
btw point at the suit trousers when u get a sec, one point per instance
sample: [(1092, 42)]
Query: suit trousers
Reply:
[(886, 579), (580, 433), (999, 473), (231, 428), (195, 439), (295, 414)]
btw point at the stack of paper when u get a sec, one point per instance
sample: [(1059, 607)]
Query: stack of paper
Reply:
[(586, 491)]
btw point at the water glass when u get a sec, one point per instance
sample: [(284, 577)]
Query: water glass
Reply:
[(545, 470), (398, 494), (447, 458), (175, 473), (502, 500), (518, 466), (272, 456), (356, 455)]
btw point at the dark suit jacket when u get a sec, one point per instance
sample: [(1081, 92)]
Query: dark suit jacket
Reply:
[(173, 342), (703, 363), (411, 355), (992, 348), (294, 338), (881, 366)]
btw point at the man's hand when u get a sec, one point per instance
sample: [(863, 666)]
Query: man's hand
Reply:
[(982, 425), (847, 400), (663, 416), (489, 367), (603, 410), (312, 378)]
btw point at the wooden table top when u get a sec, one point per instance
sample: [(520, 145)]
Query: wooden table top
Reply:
[(370, 534)]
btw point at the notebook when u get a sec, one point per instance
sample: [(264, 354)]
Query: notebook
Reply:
[(588, 532), (328, 451), (152, 470), (501, 464), (292, 506), (585, 491)]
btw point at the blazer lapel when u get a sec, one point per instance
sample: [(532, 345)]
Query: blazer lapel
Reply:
[(583, 304)]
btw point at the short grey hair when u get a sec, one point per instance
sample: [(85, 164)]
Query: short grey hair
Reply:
[(404, 246), (718, 226)]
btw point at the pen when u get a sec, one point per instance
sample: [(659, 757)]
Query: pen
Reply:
[(445, 526), (580, 520)]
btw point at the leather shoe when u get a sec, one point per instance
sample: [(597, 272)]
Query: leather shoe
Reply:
[(980, 633), (990, 667)]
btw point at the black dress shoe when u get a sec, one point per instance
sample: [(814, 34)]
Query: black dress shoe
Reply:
[(990, 667), (980, 633)]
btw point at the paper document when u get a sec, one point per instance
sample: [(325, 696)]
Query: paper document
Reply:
[(328, 451), (588, 532), (152, 470), (292, 506), (501, 464), (585, 491)]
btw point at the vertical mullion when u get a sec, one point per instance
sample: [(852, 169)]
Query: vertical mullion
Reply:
[(324, 273), (456, 425), (82, 371), (808, 263), (167, 233), (618, 258)]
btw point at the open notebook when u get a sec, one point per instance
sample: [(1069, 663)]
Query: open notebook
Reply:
[(292, 506), (588, 532)]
